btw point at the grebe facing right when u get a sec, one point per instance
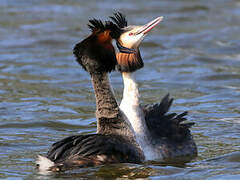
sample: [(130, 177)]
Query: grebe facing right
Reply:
[(114, 141), (161, 135)]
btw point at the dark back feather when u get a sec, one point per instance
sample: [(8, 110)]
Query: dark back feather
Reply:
[(85, 150), (163, 124)]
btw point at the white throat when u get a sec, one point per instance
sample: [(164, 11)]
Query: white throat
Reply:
[(130, 104), (131, 108), (130, 93)]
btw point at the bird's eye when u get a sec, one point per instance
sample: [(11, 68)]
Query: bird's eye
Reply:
[(130, 34)]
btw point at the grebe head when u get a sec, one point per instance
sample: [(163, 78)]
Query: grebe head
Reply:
[(131, 36), (96, 53), (129, 58)]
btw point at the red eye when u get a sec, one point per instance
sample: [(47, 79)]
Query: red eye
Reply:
[(130, 34)]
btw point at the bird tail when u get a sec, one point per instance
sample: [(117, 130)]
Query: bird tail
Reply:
[(44, 164)]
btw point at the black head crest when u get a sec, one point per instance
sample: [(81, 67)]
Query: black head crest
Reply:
[(119, 19), (98, 26), (95, 24), (96, 54)]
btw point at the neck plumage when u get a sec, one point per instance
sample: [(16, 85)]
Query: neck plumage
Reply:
[(110, 119), (130, 91), (128, 63), (107, 106), (130, 104)]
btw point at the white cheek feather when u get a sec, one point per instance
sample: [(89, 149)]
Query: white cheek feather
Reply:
[(131, 41)]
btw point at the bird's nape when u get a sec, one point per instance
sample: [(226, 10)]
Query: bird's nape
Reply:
[(96, 54)]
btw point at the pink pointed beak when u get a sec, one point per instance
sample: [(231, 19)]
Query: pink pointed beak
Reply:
[(149, 26)]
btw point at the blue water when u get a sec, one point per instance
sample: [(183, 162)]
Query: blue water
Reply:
[(194, 55)]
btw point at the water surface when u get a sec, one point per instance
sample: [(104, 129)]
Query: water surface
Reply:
[(194, 55)]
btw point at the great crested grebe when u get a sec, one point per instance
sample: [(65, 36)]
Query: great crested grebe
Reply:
[(115, 140), (161, 135)]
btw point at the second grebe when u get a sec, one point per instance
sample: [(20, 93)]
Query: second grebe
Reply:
[(115, 139), (161, 135)]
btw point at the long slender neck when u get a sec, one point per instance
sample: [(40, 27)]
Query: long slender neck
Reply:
[(130, 104), (131, 108), (110, 120), (130, 91), (107, 106)]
